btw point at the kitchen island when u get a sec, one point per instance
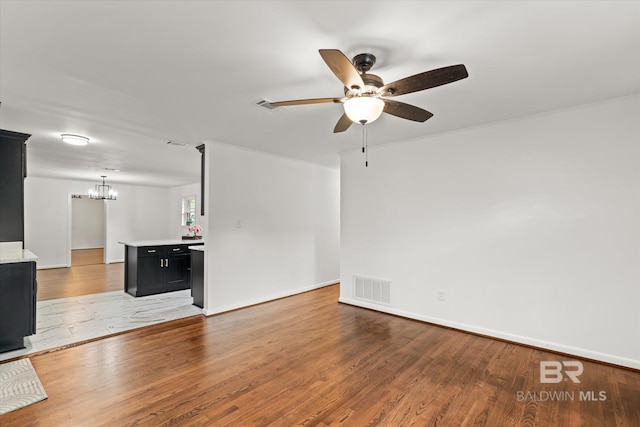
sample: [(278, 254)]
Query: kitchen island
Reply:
[(157, 266)]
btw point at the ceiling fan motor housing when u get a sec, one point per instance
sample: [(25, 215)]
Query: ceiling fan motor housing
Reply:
[(372, 81), (372, 84), (364, 62)]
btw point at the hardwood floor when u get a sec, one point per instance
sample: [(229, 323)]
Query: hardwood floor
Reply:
[(308, 360), (87, 256), (57, 283)]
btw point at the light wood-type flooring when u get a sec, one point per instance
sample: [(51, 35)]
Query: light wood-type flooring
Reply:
[(79, 280), (87, 256), (308, 360)]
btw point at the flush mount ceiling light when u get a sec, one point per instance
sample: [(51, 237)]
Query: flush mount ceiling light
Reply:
[(103, 191), (74, 139)]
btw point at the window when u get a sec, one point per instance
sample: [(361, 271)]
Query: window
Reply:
[(188, 211)]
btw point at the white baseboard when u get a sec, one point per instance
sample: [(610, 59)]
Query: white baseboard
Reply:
[(260, 300), (44, 267), (545, 345)]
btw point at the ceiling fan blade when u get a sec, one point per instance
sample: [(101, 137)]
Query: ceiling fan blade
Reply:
[(426, 80), (406, 111), (342, 68), (304, 102), (343, 124)]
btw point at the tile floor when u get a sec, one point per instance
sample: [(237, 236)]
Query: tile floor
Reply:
[(70, 320)]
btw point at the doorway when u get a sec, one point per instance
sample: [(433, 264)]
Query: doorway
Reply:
[(87, 270), (88, 231)]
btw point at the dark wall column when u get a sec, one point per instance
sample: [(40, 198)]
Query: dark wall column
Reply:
[(200, 148)]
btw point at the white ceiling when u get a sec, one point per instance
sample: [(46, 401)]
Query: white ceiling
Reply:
[(132, 75)]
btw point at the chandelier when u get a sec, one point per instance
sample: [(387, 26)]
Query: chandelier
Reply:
[(103, 191)]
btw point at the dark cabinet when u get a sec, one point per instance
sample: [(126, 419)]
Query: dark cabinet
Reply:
[(178, 269), (13, 170), (197, 278), (17, 279), (149, 275), (18, 289), (153, 270)]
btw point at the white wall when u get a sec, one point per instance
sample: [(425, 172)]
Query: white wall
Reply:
[(152, 213), (87, 223), (531, 227), (272, 227), (139, 213)]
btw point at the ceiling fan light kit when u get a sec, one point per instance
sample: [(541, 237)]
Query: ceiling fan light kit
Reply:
[(363, 109), (366, 95)]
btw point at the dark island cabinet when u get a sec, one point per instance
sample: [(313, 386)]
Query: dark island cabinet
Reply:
[(151, 270), (147, 276), (18, 289), (178, 270), (197, 278), (13, 170)]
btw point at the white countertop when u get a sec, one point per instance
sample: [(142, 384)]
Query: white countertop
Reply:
[(197, 248), (162, 242), (25, 255)]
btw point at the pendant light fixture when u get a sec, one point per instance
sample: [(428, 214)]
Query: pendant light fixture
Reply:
[(103, 191)]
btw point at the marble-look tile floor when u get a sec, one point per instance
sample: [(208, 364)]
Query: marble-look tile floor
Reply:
[(70, 320)]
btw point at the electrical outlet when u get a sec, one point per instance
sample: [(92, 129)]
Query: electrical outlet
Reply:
[(442, 295)]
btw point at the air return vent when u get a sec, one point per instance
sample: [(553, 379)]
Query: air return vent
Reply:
[(266, 104), (176, 144), (372, 290)]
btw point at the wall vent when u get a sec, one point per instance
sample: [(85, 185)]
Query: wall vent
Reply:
[(373, 290)]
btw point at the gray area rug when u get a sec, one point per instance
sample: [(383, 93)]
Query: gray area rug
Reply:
[(19, 386)]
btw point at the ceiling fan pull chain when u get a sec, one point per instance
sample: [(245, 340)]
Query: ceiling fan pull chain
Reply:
[(366, 150), (365, 144)]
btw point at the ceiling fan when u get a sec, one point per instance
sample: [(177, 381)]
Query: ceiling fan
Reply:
[(366, 96)]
